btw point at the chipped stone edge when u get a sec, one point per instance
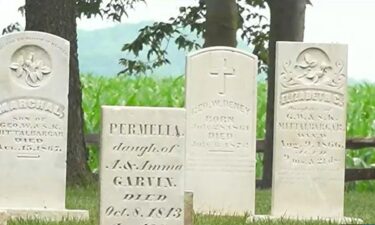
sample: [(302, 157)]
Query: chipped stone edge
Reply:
[(342, 220)]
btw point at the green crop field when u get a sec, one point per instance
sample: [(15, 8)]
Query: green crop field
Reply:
[(149, 91)]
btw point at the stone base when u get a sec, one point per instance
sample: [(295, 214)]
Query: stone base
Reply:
[(47, 215), (3, 217), (343, 220)]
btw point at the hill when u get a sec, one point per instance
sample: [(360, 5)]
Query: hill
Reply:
[(99, 51)]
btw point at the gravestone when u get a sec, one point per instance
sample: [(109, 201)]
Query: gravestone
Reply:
[(221, 130), (142, 166), (34, 81), (3, 218), (310, 129)]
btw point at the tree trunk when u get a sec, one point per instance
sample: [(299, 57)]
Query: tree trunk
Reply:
[(58, 17), (287, 24), (221, 23)]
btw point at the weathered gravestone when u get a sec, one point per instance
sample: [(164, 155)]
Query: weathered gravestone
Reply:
[(221, 124), (34, 81), (3, 218), (142, 166), (310, 128)]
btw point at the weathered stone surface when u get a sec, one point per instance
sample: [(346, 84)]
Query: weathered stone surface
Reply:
[(310, 128), (34, 82), (142, 166), (273, 219), (221, 130), (48, 215), (189, 209)]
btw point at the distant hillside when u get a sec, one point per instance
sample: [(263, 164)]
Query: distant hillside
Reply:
[(99, 51)]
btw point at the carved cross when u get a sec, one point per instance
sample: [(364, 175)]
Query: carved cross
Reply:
[(222, 73)]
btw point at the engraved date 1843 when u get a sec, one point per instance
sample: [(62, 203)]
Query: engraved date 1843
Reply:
[(166, 213)]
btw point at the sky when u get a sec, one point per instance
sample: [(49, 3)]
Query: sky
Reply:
[(349, 22)]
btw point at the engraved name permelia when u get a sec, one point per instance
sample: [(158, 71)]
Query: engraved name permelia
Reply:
[(138, 129), (32, 70)]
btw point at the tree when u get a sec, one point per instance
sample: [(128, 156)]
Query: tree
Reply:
[(221, 23), (287, 24), (58, 17), (217, 21)]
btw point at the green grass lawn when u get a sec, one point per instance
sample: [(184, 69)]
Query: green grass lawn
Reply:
[(360, 205)]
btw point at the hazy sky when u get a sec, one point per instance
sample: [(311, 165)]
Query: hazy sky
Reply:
[(350, 22)]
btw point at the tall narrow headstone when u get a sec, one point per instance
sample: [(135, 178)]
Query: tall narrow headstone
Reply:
[(34, 81), (142, 166), (3, 218), (310, 128), (221, 122)]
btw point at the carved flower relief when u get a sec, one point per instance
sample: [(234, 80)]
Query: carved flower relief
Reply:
[(313, 67), (312, 70), (30, 69)]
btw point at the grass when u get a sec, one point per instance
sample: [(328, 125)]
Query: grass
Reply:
[(359, 205)]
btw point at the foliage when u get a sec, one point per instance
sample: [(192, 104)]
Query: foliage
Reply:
[(155, 38), (113, 9), (359, 205)]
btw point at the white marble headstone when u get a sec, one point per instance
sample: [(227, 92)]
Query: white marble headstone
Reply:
[(221, 122), (34, 81), (3, 218), (142, 166), (310, 128)]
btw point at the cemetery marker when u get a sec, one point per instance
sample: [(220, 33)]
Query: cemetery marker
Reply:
[(220, 136), (142, 166), (3, 217), (34, 81), (310, 129)]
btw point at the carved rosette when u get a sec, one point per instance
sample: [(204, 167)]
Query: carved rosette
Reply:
[(30, 66), (313, 67)]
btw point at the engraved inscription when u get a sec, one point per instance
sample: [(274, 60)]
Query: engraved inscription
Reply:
[(223, 142), (309, 141), (30, 66), (30, 135), (310, 130), (34, 91), (38, 104), (142, 171)]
